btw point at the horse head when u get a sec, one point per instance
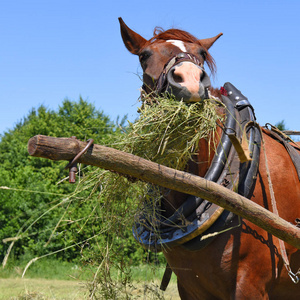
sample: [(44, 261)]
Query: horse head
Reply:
[(172, 62)]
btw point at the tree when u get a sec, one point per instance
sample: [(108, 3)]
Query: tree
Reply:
[(29, 186), (281, 125)]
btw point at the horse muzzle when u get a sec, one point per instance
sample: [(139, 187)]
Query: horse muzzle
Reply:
[(188, 82), (184, 77)]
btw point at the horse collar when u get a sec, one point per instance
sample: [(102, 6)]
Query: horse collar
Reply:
[(198, 217)]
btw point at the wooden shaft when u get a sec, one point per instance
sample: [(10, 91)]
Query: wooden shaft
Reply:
[(125, 163), (291, 132)]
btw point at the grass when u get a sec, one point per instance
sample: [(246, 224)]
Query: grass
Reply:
[(41, 289), (45, 289), (53, 279), (45, 279), (47, 269)]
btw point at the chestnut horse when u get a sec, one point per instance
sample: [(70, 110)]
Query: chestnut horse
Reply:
[(245, 262)]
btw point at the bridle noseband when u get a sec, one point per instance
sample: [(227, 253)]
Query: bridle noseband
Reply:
[(162, 83)]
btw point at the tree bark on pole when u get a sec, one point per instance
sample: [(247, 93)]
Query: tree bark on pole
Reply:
[(128, 164), (291, 132)]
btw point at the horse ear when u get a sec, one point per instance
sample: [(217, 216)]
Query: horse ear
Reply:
[(133, 41), (207, 43)]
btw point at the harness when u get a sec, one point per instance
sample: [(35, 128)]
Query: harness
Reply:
[(197, 218), (161, 85), (292, 148), (197, 222)]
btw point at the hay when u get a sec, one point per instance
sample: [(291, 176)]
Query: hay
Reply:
[(168, 131)]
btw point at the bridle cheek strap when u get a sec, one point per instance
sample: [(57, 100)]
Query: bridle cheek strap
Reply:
[(161, 84)]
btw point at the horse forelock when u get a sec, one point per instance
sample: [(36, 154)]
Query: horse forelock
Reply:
[(160, 35), (173, 34)]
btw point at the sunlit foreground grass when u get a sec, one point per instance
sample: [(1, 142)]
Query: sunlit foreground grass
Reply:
[(60, 280), (44, 289), (17, 288)]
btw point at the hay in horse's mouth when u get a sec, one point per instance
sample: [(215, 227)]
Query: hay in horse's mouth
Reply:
[(168, 131)]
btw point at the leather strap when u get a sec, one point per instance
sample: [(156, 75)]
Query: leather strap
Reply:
[(242, 147), (294, 276), (279, 136), (166, 278)]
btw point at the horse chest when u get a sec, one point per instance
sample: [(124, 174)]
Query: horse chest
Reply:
[(210, 272)]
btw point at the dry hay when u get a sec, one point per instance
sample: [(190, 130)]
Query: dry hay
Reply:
[(167, 132)]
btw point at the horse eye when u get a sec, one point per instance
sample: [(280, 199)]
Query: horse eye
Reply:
[(203, 53), (144, 56)]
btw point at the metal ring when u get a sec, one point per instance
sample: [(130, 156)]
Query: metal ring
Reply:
[(89, 144)]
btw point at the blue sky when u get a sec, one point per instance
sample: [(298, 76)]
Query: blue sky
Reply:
[(52, 50)]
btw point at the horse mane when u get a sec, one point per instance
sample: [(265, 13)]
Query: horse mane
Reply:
[(177, 34)]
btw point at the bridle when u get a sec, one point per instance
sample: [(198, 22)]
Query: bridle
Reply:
[(161, 84)]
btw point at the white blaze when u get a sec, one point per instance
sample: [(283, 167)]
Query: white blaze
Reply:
[(179, 44)]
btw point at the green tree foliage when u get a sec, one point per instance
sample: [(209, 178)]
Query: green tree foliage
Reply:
[(41, 213), (32, 183), (281, 125)]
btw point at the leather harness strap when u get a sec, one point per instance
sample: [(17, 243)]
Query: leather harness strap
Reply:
[(242, 147), (294, 276), (166, 278), (276, 134), (161, 84)]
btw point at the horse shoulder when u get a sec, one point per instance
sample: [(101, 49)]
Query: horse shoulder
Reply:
[(276, 163), (283, 178)]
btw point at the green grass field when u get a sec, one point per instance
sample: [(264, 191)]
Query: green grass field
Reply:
[(40, 289), (45, 289), (50, 279)]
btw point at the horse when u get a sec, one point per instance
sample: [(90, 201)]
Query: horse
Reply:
[(244, 262)]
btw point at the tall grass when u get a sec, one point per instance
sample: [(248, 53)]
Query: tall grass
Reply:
[(54, 269), (48, 268)]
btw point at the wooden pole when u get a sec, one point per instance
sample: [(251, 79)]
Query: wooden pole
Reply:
[(291, 132), (125, 163)]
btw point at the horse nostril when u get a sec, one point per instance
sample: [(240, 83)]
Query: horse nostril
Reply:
[(177, 77)]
